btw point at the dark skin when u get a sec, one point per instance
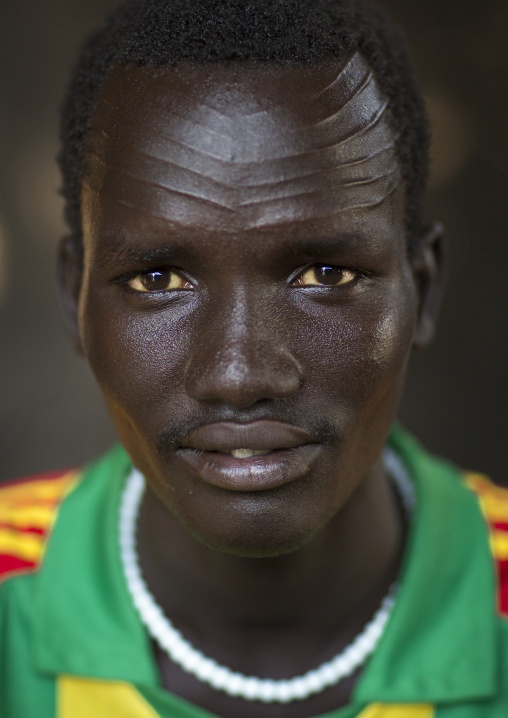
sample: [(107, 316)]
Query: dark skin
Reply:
[(246, 288)]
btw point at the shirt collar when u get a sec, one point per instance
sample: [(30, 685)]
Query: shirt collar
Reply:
[(86, 623), (440, 642)]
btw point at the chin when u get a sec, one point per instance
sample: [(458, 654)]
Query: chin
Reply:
[(254, 547), (261, 529)]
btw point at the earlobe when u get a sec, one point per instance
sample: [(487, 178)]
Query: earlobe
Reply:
[(428, 266), (69, 276)]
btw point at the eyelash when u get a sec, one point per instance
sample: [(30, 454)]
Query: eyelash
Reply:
[(168, 273), (354, 276)]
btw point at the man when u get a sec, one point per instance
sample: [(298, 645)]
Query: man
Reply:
[(247, 274)]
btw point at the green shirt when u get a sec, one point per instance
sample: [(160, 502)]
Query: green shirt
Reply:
[(72, 645)]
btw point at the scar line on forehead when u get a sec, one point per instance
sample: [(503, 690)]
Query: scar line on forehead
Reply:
[(226, 185), (245, 165), (368, 80), (310, 193), (250, 203), (172, 111), (221, 134), (265, 225), (179, 193), (231, 163), (355, 60)]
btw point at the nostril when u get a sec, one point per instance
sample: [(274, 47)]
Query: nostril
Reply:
[(241, 378)]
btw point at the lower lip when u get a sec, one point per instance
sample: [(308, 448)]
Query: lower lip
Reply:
[(258, 473)]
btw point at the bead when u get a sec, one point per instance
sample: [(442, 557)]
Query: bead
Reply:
[(283, 693), (314, 682), (203, 669), (328, 674), (235, 685), (250, 688), (299, 688), (341, 664), (267, 691), (220, 677)]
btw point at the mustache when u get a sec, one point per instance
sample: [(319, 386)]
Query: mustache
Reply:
[(172, 437)]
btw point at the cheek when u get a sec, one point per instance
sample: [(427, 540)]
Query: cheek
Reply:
[(358, 353), (136, 356)]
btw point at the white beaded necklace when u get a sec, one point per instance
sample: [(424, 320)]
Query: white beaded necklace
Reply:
[(220, 677)]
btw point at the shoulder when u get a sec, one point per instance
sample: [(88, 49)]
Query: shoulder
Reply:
[(28, 510), (493, 502)]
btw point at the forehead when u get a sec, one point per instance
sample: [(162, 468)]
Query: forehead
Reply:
[(240, 147)]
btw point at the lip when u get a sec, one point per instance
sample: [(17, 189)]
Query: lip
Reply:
[(292, 450)]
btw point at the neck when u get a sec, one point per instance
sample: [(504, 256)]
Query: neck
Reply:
[(329, 587)]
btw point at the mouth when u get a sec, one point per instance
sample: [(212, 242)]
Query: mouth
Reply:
[(257, 456)]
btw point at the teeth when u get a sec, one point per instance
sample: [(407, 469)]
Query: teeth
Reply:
[(247, 453)]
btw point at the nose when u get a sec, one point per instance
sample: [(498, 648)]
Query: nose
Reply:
[(240, 356)]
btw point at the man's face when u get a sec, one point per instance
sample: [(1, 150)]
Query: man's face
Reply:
[(247, 304)]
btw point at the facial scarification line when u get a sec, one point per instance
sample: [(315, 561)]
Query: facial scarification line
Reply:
[(177, 192), (336, 204), (394, 173), (222, 143), (319, 153), (208, 114), (276, 191), (368, 85), (191, 184), (204, 110), (209, 221), (352, 78), (308, 193), (356, 103), (337, 138), (244, 172), (335, 123), (353, 74), (234, 186), (352, 81)]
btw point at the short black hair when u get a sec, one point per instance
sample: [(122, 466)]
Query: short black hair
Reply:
[(167, 32)]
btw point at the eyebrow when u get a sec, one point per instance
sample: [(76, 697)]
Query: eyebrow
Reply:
[(323, 245), (116, 248)]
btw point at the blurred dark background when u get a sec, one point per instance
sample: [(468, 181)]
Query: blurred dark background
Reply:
[(51, 414)]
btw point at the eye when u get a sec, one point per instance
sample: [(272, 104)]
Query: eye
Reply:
[(322, 275), (158, 280)]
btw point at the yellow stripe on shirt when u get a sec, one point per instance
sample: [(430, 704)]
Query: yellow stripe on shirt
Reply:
[(26, 546), (23, 517), (499, 544), (398, 710), (86, 698), (38, 490)]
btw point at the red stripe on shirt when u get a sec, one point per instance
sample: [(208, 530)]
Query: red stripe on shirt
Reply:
[(496, 505)]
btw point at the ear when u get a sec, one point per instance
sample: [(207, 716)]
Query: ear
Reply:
[(428, 265), (69, 274)]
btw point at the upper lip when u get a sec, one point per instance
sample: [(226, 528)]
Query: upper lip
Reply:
[(263, 435)]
